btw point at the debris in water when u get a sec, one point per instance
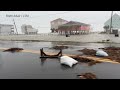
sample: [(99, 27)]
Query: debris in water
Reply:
[(60, 47), (86, 51), (113, 52), (68, 61), (101, 53), (90, 62), (93, 63), (87, 76), (13, 50)]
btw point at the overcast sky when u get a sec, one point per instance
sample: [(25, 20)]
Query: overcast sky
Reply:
[(41, 19)]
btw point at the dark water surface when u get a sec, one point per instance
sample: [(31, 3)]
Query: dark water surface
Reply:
[(30, 66)]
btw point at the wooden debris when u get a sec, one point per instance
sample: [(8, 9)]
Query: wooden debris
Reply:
[(87, 58), (87, 76), (113, 52), (58, 47), (86, 51), (89, 61), (44, 55), (13, 50)]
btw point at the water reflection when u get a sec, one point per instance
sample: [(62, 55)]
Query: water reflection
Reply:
[(65, 67), (1, 61), (42, 61), (31, 66), (62, 66)]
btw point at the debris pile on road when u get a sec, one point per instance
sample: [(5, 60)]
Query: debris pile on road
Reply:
[(13, 50), (113, 52), (87, 76), (60, 47)]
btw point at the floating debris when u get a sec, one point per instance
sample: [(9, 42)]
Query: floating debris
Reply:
[(110, 48), (60, 47), (13, 50), (68, 61), (93, 63), (81, 59), (90, 62), (101, 53), (44, 55), (87, 76), (113, 52), (86, 51)]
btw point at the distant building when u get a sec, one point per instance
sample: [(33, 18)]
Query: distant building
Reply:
[(57, 22), (74, 28), (6, 29), (115, 23), (28, 29)]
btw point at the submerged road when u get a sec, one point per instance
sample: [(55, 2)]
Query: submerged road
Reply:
[(87, 57)]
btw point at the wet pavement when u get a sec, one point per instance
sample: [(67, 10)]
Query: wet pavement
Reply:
[(29, 66)]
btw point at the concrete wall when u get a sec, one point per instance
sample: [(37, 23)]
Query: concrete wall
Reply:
[(54, 37)]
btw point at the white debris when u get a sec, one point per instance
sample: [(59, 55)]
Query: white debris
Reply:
[(101, 53), (68, 61)]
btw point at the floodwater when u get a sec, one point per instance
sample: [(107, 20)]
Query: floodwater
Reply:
[(29, 66)]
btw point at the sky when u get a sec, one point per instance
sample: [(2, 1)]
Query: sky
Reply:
[(41, 19)]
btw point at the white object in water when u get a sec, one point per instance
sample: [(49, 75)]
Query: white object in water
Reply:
[(68, 61), (101, 53)]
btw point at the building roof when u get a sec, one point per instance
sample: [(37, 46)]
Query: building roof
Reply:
[(115, 21), (59, 19), (74, 23)]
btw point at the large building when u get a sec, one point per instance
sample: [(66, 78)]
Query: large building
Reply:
[(115, 23), (28, 29), (57, 22), (74, 28), (6, 29)]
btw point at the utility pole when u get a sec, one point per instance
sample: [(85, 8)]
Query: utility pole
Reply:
[(15, 26), (111, 22)]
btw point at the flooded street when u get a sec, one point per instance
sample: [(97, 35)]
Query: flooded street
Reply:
[(29, 66)]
